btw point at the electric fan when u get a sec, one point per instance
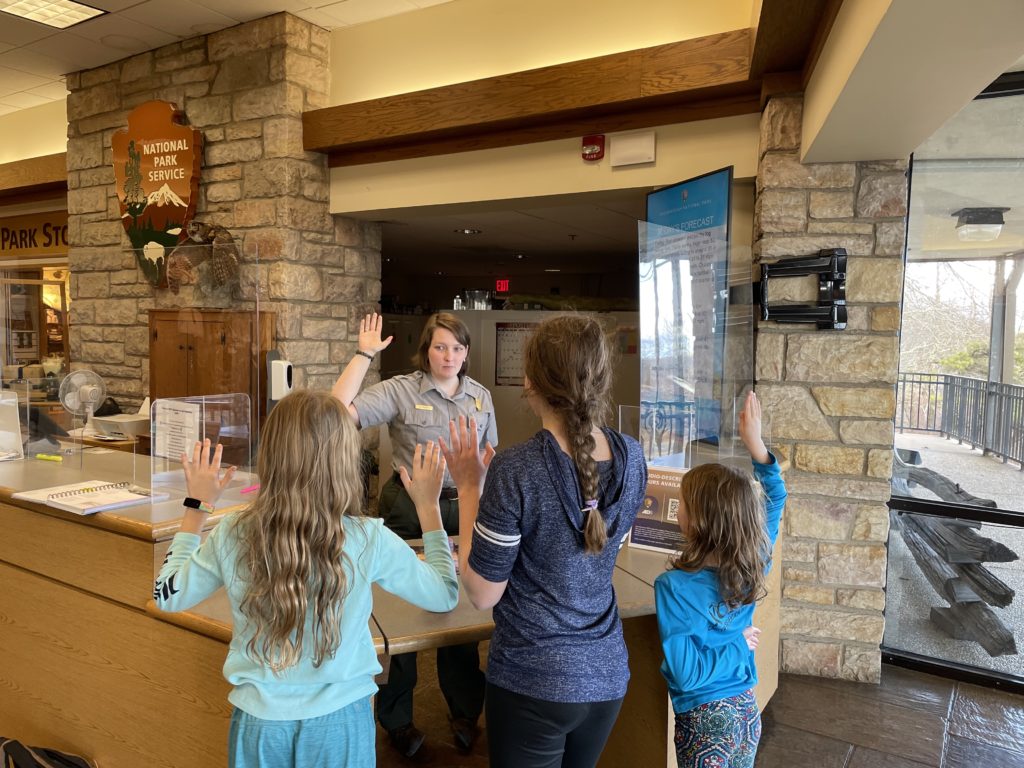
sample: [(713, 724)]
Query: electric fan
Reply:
[(81, 393)]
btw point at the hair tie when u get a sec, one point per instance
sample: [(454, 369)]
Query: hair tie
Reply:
[(589, 505)]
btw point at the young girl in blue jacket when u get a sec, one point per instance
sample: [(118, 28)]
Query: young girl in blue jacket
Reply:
[(298, 565), (705, 603)]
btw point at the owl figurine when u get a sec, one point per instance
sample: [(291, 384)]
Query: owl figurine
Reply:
[(206, 243)]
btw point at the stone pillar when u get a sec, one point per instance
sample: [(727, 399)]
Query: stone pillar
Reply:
[(245, 88), (831, 394)]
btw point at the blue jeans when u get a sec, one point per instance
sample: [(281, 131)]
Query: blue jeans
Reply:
[(345, 738)]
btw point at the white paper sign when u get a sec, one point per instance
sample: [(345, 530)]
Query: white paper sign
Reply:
[(176, 428)]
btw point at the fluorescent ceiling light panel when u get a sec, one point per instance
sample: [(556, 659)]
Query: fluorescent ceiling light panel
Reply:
[(54, 13)]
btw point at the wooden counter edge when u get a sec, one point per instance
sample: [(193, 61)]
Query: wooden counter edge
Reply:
[(194, 622), (218, 630), (113, 522), (470, 633)]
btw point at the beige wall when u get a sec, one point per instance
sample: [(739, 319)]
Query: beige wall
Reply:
[(545, 168), (472, 39), (34, 132)]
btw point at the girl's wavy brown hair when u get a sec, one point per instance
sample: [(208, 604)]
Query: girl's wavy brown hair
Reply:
[(292, 537), (568, 363), (726, 518)]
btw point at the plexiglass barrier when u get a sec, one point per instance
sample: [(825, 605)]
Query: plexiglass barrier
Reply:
[(696, 366), (177, 424), (78, 373), (696, 344)]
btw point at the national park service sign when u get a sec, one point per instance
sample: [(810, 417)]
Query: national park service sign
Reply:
[(156, 166)]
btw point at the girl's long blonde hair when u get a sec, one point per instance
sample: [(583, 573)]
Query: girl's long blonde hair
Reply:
[(568, 363), (292, 537), (726, 519)]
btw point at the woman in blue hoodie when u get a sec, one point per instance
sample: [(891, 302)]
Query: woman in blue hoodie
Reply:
[(547, 525)]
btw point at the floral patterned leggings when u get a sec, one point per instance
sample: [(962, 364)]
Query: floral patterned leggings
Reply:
[(719, 734)]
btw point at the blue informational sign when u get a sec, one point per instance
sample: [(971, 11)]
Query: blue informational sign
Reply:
[(701, 203)]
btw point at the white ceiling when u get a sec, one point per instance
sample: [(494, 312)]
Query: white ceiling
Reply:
[(34, 57)]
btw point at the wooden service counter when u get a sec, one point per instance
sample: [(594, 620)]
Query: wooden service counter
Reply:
[(83, 667), (87, 664)]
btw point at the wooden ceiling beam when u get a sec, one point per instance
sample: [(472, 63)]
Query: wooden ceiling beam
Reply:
[(625, 90), (786, 30), (718, 75), (722, 106)]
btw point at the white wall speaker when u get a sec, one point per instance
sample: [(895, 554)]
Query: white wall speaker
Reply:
[(631, 148)]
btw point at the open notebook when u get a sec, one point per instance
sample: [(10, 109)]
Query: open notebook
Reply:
[(91, 496)]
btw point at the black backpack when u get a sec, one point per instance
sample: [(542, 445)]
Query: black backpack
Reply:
[(17, 755)]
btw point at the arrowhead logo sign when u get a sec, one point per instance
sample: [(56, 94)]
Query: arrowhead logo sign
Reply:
[(156, 167)]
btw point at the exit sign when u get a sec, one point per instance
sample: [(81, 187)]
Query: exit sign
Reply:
[(501, 286)]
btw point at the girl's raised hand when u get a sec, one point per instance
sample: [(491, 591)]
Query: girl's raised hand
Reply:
[(750, 429), (466, 462), (203, 477), (424, 486), (369, 334)]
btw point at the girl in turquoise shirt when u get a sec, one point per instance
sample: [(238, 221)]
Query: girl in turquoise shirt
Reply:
[(705, 603), (298, 565)]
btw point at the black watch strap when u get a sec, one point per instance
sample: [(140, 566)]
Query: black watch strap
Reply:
[(197, 504)]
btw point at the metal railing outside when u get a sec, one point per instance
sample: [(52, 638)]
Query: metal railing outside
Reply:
[(985, 414)]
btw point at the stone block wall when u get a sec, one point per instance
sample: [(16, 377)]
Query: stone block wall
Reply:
[(831, 394), (245, 88)]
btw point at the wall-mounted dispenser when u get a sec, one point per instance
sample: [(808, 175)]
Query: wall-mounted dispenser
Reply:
[(830, 311), (279, 378)]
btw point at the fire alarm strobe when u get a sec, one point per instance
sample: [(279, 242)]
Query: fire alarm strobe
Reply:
[(593, 147)]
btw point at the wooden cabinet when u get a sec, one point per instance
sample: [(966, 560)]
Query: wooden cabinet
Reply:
[(209, 352)]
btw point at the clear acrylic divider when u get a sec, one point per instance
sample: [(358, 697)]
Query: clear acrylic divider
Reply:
[(177, 423), (630, 422), (11, 442), (696, 328), (206, 288)]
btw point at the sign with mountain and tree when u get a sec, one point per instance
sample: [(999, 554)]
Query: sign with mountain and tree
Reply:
[(156, 167)]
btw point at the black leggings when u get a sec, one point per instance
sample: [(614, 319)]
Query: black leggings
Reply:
[(523, 732)]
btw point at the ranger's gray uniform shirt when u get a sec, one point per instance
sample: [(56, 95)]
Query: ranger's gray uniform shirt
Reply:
[(416, 411)]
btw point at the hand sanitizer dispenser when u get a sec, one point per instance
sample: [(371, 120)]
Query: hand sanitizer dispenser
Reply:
[(279, 377)]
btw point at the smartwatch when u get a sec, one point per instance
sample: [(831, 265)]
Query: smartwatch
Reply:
[(197, 504)]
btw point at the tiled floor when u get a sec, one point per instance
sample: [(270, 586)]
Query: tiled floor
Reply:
[(910, 720)]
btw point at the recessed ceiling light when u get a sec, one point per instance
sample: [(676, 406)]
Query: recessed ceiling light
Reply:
[(468, 231), (54, 13), (520, 256)]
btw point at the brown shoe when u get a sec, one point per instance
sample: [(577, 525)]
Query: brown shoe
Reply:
[(407, 739), (465, 732)]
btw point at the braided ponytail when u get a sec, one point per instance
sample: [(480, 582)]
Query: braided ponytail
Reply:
[(568, 365)]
